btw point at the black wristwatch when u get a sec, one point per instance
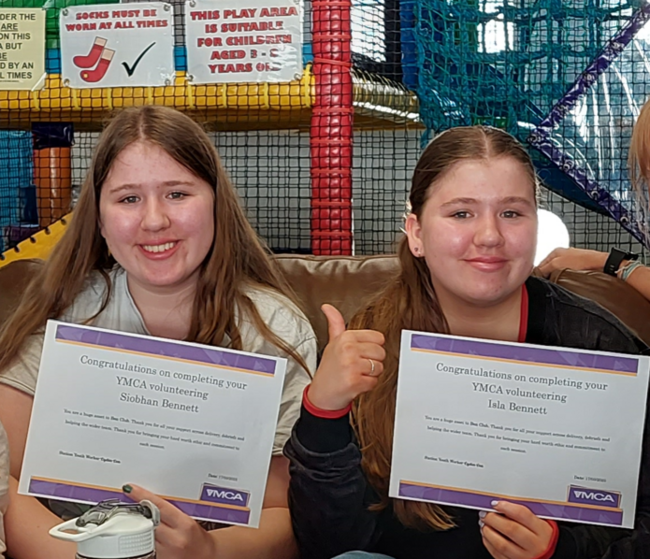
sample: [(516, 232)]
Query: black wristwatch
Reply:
[(616, 256)]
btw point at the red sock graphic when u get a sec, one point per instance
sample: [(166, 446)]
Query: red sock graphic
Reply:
[(99, 71), (92, 57)]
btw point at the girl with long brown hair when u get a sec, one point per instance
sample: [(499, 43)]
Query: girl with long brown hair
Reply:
[(158, 245), (466, 264)]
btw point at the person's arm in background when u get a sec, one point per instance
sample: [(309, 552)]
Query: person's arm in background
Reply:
[(574, 259), (582, 259)]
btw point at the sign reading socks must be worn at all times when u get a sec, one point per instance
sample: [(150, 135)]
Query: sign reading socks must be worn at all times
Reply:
[(117, 45)]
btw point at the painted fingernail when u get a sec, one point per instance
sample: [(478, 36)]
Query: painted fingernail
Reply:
[(482, 513), (127, 488), (494, 503), (481, 523)]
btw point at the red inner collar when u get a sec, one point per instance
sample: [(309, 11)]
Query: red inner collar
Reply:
[(523, 315)]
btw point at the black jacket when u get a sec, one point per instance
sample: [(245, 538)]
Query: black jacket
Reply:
[(329, 495)]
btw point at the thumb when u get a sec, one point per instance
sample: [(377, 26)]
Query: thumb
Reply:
[(335, 322)]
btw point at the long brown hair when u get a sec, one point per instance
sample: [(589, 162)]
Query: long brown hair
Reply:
[(410, 302), (237, 257)]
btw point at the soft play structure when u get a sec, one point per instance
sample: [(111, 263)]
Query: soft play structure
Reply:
[(322, 162)]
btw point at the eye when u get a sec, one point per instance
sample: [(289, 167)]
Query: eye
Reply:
[(129, 200), (177, 195), (461, 214), (509, 214)]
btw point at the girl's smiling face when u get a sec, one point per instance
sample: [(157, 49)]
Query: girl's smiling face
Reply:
[(157, 217), (477, 231)]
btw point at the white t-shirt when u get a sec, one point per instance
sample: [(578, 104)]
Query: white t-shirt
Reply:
[(4, 485), (279, 313)]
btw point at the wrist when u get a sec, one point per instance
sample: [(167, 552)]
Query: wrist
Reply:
[(322, 412), (552, 544), (600, 259), (615, 260), (211, 543), (627, 269)]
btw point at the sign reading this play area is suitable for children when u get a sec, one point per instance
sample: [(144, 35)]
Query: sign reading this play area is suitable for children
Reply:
[(249, 41), (117, 45), (22, 48)]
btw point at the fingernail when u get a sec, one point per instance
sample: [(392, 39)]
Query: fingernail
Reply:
[(481, 523), (482, 513), (494, 503), (127, 488)]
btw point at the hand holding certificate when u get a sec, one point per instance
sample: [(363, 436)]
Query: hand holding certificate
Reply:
[(192, 423), (479, 421)]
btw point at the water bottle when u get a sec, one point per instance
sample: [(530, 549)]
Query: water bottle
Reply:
[(113, 530)]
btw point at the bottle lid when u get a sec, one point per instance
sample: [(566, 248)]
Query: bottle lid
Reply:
[(112, 530)]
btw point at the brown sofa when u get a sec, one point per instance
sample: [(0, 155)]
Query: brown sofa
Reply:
[(346, 282)]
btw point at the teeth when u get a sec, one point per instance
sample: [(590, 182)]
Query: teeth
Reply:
[(158, 248)]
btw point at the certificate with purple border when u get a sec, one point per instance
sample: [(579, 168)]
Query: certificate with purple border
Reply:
[(193, 423), (558, 430)]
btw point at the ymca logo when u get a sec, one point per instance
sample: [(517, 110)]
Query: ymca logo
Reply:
[(224, 495), (594, 497)]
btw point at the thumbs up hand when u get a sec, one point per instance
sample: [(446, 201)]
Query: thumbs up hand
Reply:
[(351, 363)]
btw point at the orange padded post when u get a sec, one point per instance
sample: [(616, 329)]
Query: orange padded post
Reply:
[(53, 181)]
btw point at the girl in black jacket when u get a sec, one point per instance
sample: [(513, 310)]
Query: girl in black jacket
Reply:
[(465, 266)]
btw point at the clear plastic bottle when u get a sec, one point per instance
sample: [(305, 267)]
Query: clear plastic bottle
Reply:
[(113, 530)]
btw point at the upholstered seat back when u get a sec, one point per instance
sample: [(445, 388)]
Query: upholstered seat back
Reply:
[(346, 282)]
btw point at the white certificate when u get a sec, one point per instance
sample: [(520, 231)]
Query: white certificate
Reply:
[(190, 422), (557, 430)]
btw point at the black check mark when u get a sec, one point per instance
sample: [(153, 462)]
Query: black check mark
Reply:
[(131, 69)]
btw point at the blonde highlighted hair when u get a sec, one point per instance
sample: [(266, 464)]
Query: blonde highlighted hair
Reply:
[(639, 163)]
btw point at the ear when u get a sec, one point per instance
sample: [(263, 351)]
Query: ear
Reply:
[(414, 234)]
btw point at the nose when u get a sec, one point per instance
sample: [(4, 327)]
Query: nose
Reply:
[(155, 216), (488, 232)]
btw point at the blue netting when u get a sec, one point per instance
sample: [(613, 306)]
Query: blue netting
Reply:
[(489, 61), (506, 64), (16, 190), (588, 132)]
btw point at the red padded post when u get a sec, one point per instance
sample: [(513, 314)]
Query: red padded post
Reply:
[(331, 129)]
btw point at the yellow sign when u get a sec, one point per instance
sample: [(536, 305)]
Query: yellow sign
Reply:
[(22, 48)]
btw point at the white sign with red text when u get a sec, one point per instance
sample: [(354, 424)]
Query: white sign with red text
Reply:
[(117, 45), (247, 41)]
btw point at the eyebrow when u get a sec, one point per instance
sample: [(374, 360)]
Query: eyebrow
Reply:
[(131, 186), (471, 201)]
